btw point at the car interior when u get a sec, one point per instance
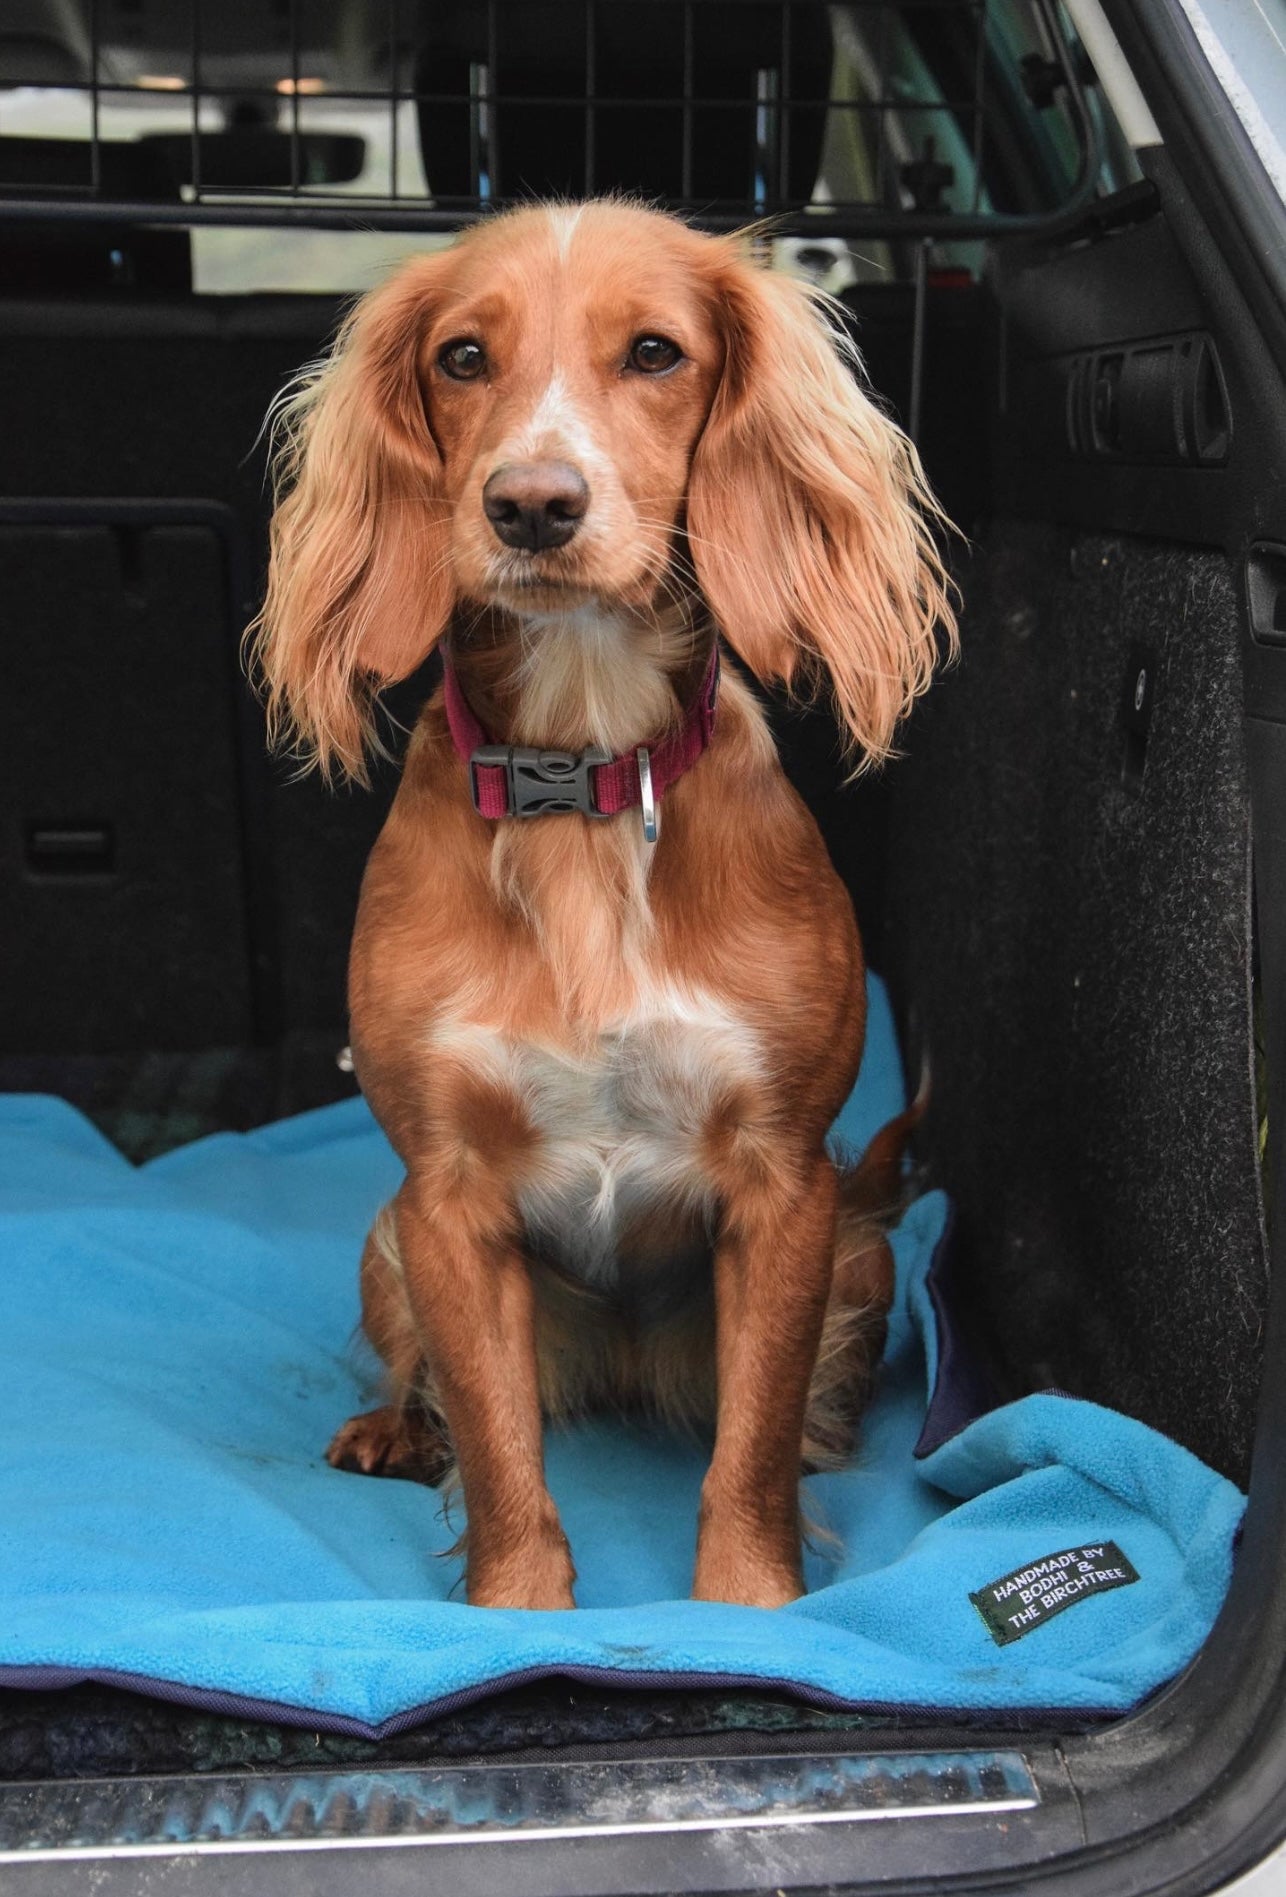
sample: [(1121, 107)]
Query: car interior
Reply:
[(1071, 878)]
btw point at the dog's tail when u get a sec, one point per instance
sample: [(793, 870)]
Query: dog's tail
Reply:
[(871, 1195), (875, 1189)]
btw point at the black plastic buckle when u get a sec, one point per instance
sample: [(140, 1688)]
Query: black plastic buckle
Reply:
[(541, 783)]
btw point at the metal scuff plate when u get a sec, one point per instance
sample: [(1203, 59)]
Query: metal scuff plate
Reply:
[(457, 1804)]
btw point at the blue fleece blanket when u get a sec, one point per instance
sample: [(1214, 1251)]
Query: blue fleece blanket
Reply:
[(176, 1349)]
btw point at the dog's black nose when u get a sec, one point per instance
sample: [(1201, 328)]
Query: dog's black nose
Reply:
[(535, 504)]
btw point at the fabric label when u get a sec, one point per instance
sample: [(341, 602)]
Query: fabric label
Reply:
[(1018, 1603)]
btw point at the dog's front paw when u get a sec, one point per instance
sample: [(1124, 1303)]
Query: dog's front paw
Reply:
[(392, 1441)]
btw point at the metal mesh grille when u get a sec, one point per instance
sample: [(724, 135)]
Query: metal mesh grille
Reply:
[(930, 117)]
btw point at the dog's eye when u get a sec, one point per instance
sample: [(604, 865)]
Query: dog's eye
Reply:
[(463, 360), (653, 355)]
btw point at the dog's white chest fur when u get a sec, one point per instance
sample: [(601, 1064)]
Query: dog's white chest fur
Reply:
[(621, 1123)]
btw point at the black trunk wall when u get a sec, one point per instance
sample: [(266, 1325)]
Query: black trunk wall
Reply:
[(1069, 927)]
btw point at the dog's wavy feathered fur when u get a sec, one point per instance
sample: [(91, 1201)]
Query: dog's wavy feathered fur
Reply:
[(609, 1068)]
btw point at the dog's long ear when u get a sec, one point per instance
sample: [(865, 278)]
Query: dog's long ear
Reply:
[(359, 587), (809, 515)]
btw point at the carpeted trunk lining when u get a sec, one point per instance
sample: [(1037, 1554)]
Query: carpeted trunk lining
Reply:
[(1069, 928), (146, 1104)]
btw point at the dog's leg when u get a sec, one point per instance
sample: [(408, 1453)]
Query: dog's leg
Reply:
[(470, 1291), (406, 1437), (773, 1270)]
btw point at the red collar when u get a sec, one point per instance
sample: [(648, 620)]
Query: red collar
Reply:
[(508, 780)]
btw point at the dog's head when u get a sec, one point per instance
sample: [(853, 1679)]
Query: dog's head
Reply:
[(591, 406)]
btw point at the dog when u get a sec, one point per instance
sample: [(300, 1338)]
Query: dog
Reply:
[(606, 990)]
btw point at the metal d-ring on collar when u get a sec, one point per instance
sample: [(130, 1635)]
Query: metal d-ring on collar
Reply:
[(651, 815)]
